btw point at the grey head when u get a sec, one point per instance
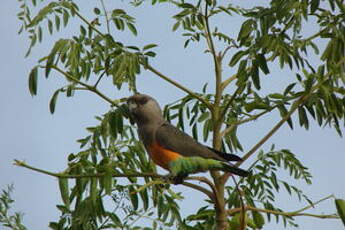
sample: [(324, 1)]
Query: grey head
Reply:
[(145, 110)]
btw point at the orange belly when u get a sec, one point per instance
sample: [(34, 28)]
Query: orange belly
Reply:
[(162, 156)]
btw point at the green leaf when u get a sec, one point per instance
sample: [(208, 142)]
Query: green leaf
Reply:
[(39, 33), (134, 198), (52, 102), (144, 196), (206, 129), (254, 73), (203, 117), (107, 182), (33, 81), (303, 118), (118, 12), (289, 88), (314, 5), (256, 105), (149, 46), (113, 124), (186, 5), (150, 53), (237, 57), (63, 185), (195, 131), (132, 28), (70, 90), (246, 29), (340, 204), (65, 17), (93, 189), (176, 26), (263, 63), (57, 22), (50, 26), (97, 11)]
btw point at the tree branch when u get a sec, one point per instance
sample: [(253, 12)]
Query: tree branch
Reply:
[(99, 79), (206, 181), (227, 81), (216, 59), (222, 116), (288, 214), (240, 122), (153, 70), (73, 176), (299, 212), (201, 189), (315, 35), (88, 87), (207, 192)]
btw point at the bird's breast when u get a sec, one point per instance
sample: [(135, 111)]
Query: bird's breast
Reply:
[(162, 156)]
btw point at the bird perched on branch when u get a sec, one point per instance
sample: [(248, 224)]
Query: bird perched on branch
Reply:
[(173, 149)]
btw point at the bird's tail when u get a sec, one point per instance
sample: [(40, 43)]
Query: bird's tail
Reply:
[(234, 170)]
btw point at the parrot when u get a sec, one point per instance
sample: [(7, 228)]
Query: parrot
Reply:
[(173, 149)]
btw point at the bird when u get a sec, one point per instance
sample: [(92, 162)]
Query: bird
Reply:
[(173, 149)]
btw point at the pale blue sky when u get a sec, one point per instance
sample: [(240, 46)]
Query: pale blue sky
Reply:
[(31, 133)]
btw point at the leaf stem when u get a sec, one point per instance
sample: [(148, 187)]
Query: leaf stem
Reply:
[(89, 87), (106, 16), (190, 92), (240, 122)]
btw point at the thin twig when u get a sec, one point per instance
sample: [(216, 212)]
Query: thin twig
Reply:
[(216, 60), (153, 70), (89, 87), (240, 122), (315, 35), (229, 103), (233, 77), (289, 214), (73, 176), (207, 192), (201, 189), (99, 79), (106, 16), (326, 216), (243, 211), (206, 181), (315, 203), (227, 81), (225, 51)]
